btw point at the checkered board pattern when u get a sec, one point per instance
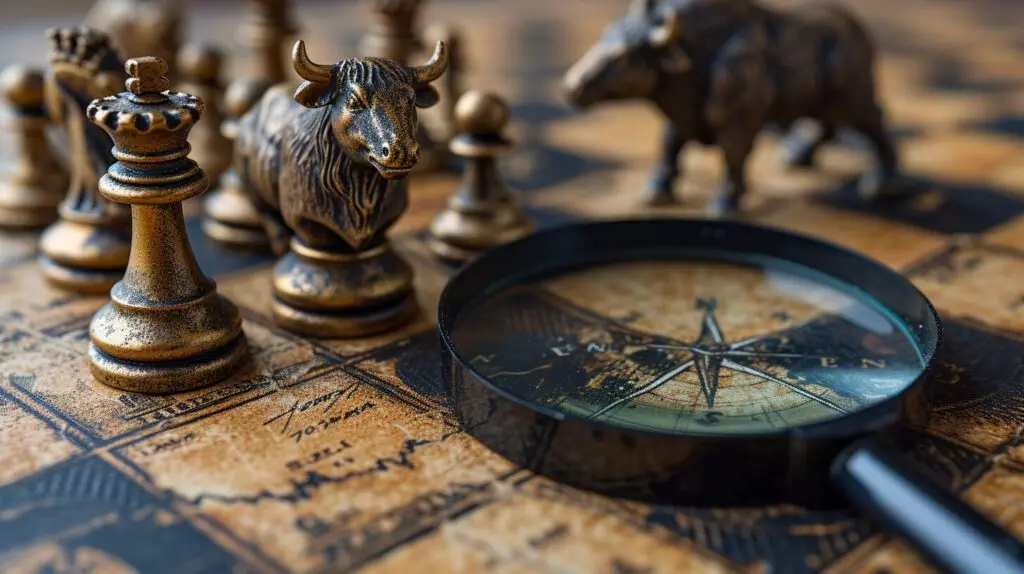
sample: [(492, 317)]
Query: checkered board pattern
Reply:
[(341, 455)]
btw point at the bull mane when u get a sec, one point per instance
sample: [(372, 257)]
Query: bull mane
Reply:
[(372, 72), (331, 169)]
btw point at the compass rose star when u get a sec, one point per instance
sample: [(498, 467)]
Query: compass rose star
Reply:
[(710, 354)]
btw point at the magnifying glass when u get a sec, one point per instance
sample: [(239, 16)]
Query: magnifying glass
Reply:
[(707, 363)]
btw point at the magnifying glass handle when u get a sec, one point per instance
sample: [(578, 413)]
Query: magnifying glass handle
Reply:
[(898, 496)]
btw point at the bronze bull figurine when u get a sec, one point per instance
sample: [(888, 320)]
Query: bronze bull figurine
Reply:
[(328, 163), (722, 69)]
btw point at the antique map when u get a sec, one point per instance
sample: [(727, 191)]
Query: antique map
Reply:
[(342, 455)]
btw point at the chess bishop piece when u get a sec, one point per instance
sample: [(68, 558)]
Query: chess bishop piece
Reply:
[(483, 213), (87, 249), (166, 329), (199, 68), (31, 192), (229, 215), (392, 35)]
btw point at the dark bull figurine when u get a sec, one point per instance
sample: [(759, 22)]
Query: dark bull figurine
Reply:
[(722, 69), (325, 168), (327, 162)]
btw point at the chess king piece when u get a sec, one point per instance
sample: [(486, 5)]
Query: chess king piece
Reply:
[(199, 70), (140, 27), (265, 33), (166, 329), (482, 214), (325, 168), (230, 217), (87, 249), (31, 192), (754, 65), (392, 35)]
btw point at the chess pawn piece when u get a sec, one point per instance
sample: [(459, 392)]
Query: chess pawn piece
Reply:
[(265, 33), (141, 27), (30, 194), (199, 70), (392, 36), (87, 249), (166, 329), (230, 217), (483, 213)]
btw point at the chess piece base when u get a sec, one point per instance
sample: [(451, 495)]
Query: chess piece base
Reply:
[(345, 325), (238, 236), (168, 376), (231, 219), (83, 257), (26, 218), (24, 207), (79, 279), (465, 229), (338, 295)]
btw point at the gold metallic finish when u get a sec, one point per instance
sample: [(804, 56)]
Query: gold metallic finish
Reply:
[(338, 326), (141, 28), (483, 213), (165, 329), (230, 218), (451, 84), (200, 66), (82, 244), (301, 249), (393, 35), (86, 249), (315, 280), (265, 33), (32, 190)]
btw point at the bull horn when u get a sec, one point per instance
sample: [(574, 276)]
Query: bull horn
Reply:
[(306, 69), (668, 32), (433, 69)]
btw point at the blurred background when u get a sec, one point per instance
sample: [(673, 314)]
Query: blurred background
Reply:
[(951, 77)]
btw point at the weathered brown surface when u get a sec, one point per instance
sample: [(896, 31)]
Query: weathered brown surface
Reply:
[(338, 454)]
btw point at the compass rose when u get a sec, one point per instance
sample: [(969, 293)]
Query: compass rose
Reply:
[(710, 353)]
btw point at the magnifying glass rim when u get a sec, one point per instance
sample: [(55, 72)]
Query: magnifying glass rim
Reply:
[(547, 259)]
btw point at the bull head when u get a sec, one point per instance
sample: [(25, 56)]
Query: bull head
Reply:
[(372, 103), (630, 56)]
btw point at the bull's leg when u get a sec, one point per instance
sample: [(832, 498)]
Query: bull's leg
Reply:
[(881, 181), (736, 146), (800, 146), (660, 187)]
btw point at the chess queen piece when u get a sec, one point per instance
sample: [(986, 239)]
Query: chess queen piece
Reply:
[(141, 27), (199, 67), (264, 33), (166, 329), (392, 35), (325, 167), (483, 213), (87, 249), (230, 218), (31, 192)]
